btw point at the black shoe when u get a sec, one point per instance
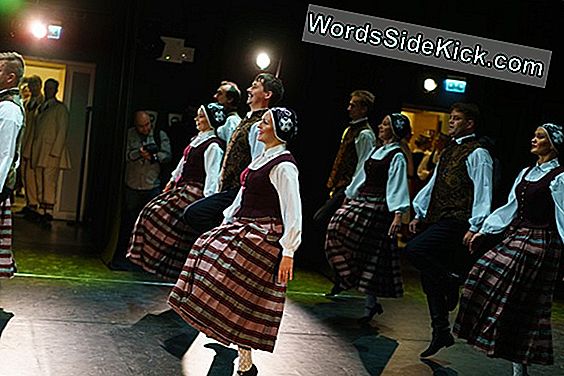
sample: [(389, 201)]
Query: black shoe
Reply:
[(335, 290), (22, 213), (452, 297), (438, 342), (377, 309), (45, 221), (32, 216), (253, 371)]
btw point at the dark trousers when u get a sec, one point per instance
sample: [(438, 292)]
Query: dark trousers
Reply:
[(207, 213), (444, 262), (324, 214)]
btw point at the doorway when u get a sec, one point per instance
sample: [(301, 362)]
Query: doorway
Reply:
[(76, 91)]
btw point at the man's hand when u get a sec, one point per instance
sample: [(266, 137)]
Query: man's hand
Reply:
[(395, 226), (145, 154), (414, 226), (285, 270)]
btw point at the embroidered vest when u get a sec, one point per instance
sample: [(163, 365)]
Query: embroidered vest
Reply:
[(13, 95), (260, 198), (238, 152), (376, 171), (194, 171), (347, 159), (535, 206), (453, 192)]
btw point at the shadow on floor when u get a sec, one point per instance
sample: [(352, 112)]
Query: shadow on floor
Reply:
[(438, 369), (4, 318)]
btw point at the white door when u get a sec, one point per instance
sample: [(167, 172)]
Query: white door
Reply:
[(78, 96)]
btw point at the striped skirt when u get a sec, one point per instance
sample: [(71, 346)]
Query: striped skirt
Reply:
[(227, 289), (7, 263), (361, 252), (507, 299), (160, 240)]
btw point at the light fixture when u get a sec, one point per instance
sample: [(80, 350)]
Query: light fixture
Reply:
[(54, 31), (429, 85), (38, 29), (263, 60), (455, 85)]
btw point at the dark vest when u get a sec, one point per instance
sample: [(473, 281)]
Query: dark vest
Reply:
[(260, 198), (376, 171), (535, 206), (194, 170), (13, 95), (453, 192), (347, 159), (238, 152)]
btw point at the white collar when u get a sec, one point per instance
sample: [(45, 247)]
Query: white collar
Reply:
[(460, 139), (547, 166), (275, 150), (358, 120)]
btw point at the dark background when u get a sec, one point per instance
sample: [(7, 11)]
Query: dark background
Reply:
[(122, 39)]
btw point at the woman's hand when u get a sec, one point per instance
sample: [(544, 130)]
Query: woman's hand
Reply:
[(395, 226), (475, 242), (286, 270), (169, 186)]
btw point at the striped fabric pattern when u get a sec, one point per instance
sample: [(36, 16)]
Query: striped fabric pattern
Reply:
[(358, 247), (7, 263), (506, 302), (227, 289), (160, 240)]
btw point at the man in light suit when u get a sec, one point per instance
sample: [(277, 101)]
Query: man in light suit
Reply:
[(50, 153)]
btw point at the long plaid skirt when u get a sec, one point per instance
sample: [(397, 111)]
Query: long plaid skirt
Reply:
[(507, 299), (160, 240), (359, 249), (227, 289), (7, 263)]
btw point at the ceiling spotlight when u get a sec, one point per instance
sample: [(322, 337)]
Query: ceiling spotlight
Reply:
[(263, 61), (38, 29), (429, 85)]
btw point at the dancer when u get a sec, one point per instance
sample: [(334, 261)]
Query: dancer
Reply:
[(158, 241), (506, 302), (12, 123), (453, 204), (233, 285), (361, 243)]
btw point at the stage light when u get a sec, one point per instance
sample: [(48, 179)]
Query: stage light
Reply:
[(263, 60), (38, 29), (429, 85)]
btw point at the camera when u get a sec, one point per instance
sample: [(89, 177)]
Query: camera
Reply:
[(152, 149)]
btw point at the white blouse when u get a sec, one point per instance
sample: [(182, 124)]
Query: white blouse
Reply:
[(226, 130), (502, 217), (479, 165), (397, 193), (212, 163), (284, 178)]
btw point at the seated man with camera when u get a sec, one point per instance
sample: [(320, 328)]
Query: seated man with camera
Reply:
[(146, 151)]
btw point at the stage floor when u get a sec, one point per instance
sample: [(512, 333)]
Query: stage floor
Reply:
[(66, 314)]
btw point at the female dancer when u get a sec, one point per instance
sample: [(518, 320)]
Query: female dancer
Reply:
[(158, 243), (361, 240), (506, 302), (233, 285)]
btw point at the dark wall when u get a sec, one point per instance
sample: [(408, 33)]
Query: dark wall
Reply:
[(123, 39)]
